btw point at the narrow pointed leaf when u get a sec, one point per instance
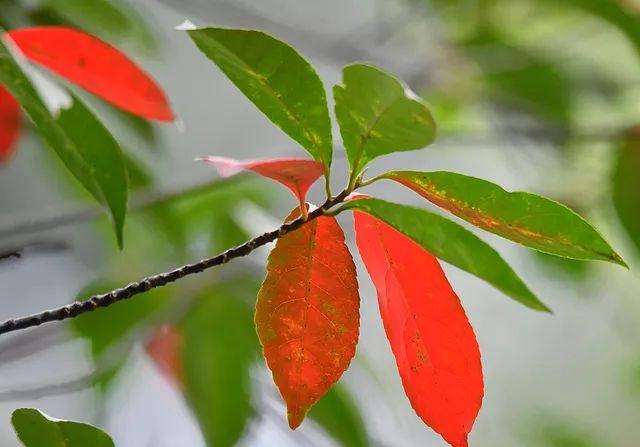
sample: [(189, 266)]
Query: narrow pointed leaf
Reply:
[(378, 115), (95, 66), (83, 144), (339, 416), (626, 188), (453, 244), (531, 220), (219, 348), (307, 313), (101, 152), (297, 174), (9, 125), (280, 82), (433, 343), (36, 429)]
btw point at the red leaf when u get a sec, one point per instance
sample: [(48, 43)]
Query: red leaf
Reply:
[(96, 66), (433, 343), (307, 313), (165, 348), (297, 174), (9, 124)]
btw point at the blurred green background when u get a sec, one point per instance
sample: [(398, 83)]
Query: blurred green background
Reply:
[(534, 95)]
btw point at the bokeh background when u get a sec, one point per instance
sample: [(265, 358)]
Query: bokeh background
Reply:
[(534, 95)]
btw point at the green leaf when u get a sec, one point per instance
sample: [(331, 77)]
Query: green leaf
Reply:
[(280, 82), (220, 345), (452, 243), (339, 416), (522, 217), (626, 188), (36, 429), (102, 153), (83, 144), (378, 115)]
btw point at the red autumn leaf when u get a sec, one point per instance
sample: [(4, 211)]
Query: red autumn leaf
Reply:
[(95, 66), (9, 124), (297, 174), (307, 313), (165, 348), (433, 343)]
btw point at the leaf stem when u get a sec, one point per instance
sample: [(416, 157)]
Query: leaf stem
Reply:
[(162, 279), (363, 183)]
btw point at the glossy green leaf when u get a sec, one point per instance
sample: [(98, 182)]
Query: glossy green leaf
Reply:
[(452, 243), (83, 144), (338, 414), (626, 188), (102, 153), (220, 345), (36, 429), (378, 115), (280, 82), (526, 218)]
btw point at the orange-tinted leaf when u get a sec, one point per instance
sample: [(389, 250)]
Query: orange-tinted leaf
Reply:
[(434, 345), (297, 174), (165, 348), (96, 66), (9, 124), (307, 313)]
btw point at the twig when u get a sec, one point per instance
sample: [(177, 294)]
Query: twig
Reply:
[(159, 280)]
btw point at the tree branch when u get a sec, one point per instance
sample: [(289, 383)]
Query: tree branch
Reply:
[(162, 279)]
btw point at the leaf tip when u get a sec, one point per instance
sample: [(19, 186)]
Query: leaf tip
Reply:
[(544, 308), (540, 306), (295, 416), (617, 259)]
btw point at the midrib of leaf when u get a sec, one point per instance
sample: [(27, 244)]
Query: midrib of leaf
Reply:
[(263, 80), (312, 245), (364, 139)]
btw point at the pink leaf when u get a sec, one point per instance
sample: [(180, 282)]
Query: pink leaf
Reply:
[(297, 174)]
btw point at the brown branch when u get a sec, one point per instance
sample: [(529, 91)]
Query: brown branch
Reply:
[(162, 279)]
